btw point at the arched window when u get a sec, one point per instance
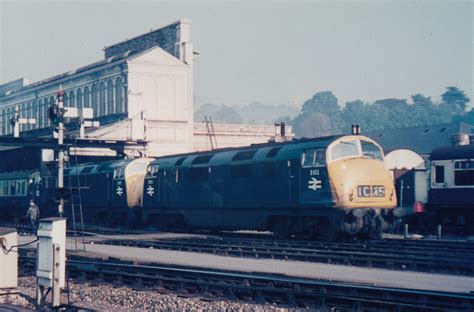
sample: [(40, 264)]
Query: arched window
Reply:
[(45, 112), (72, 99), (79, 98), (102, 104), (36, 113), (65, 100), (119, 96), (110, 97), (4, 118), (86, 97), (8, 117), (39, 114), (95, 99), (51, 103)]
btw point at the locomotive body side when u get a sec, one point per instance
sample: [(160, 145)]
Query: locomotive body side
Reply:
[(286, 188), (103, 197)]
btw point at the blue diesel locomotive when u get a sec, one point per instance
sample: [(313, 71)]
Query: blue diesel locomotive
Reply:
[(322, 186)]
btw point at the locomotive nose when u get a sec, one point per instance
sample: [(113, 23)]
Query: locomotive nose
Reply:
[(360, 183)]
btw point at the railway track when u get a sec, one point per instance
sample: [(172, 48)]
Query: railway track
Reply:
[(277, 289), (426, 256), (89, 230), (440, 256)]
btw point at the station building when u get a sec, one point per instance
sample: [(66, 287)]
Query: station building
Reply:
[(141, 90)]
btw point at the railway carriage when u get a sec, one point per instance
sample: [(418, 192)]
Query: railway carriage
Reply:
[(16, 189), (451, 192), (312, 186)]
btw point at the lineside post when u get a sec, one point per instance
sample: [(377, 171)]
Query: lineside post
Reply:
[(61, 153)]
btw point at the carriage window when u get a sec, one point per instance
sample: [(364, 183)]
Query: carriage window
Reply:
[(464, 173), (439, 174), (118, 173), (12, 188), (345, 149), (313, 158), (87, 170), (18, 188), (179, 162), (6, 187), (371, 150), (273, 152), (307, 158), (152, 170), (243, 155), (23, 188), (203, 159)]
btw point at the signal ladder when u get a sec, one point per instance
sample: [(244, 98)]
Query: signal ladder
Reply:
[(210, 132), (76, 198)]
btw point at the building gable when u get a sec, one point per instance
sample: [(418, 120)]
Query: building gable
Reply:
[(155, 56)]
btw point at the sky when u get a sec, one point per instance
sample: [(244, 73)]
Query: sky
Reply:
[(272, 52)]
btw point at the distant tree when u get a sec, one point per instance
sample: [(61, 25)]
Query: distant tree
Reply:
[(355, 112), (419, 99), (258, 113), (324, 103), (207, 109), (313, 124), (395, 112), (228, 115), (455, 99), (467, 117), (423, 111)]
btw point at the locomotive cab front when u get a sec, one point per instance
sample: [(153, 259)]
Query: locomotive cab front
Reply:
[(362, 186)]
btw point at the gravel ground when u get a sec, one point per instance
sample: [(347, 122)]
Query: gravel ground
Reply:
[(106, 297)]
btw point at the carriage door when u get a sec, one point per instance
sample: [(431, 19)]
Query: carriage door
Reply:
[(294, 180), (162, 185), (315, 187)]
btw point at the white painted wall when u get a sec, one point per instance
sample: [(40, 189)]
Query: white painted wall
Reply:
[(160, 91), (234, 135)]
